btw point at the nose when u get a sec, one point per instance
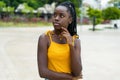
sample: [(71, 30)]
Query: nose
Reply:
[(56, 18)]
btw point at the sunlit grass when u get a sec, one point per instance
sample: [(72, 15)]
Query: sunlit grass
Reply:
[(24, 24)]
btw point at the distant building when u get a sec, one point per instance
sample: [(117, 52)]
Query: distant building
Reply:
[(114, 4), (90, 3), (93, 3), (117, 4)]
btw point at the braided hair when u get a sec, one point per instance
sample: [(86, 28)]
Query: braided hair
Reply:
[(71, 8)]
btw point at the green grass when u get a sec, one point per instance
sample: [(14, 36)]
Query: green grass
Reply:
[(24, 24)]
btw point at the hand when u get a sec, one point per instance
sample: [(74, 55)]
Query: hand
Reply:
[(65, 33)]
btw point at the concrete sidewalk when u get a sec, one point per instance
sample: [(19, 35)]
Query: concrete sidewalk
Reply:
[(18, 53)]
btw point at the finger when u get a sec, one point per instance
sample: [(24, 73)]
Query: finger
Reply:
[(64, 29), (66, 33)]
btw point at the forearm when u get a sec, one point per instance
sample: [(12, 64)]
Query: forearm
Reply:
[(56, 75), (75, 61)]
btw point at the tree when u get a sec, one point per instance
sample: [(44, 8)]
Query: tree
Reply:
[(32, 3), (2, 5), (95, 13), (77, 4), (8, 9), (12, 3), (111, 13), (35, 3), (27, 9)]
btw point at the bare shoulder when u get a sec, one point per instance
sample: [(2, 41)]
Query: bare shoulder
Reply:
[(43, 38), (77, 43)]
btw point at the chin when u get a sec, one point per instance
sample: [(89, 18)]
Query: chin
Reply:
[(57, 27)]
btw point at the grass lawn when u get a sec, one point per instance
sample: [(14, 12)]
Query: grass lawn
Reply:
[(24, 24)]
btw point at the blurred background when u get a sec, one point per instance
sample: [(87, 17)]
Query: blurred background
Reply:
[(37, 11), (23, 21)]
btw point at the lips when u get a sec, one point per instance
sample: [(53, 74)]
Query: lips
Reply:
[(56, 24)]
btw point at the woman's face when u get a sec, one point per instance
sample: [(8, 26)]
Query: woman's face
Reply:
[(61, 17)]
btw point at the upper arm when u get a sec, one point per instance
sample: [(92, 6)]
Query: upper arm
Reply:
[(78, 46), (78, 50), (42, 53)]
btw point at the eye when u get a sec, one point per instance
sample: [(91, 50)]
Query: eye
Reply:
[(62, 16), (54, 14)]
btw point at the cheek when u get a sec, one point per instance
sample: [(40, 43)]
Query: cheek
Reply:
[(65, 23)]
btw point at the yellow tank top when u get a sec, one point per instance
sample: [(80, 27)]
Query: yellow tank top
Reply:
[(58, 56)]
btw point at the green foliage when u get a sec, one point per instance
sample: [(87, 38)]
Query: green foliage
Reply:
[(3, 8), (37, 3), (8, 9), (15, 4), (77, 6), (2, 5), (33, 3), (111, 13), (95, 13), (78, 12), (27, 8)]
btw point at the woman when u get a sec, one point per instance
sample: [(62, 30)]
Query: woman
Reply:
[(59, 50)]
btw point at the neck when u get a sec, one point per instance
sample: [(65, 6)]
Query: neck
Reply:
[(57, 32)]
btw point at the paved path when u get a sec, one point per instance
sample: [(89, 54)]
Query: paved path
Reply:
[(100, 53)]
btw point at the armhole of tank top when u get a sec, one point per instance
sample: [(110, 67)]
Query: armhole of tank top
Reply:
[(48, 33), (73, 41), (74, 37)]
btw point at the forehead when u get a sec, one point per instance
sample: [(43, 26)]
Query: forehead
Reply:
[(61, 9)]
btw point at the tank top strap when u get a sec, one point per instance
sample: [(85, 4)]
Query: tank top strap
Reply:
[(48, 33), (74, 37)]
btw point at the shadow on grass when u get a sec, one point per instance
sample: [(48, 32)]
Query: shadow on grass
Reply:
[(96, 29), (110, 28), (99, 29)]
